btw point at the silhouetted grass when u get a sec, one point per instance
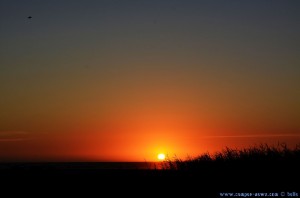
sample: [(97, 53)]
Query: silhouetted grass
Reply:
[(262, 154), (261, 168)]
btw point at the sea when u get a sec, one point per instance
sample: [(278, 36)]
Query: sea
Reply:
[(85, 165)]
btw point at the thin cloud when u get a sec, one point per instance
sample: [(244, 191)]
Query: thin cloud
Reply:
[(253, 136), (12, 136)]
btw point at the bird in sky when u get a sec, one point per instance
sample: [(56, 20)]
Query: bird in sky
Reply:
[(29, 17)]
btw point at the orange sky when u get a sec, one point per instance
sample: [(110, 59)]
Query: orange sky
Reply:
[(124, 81), (139, 139)]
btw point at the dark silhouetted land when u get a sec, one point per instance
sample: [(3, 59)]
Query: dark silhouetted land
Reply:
[(261, 169)]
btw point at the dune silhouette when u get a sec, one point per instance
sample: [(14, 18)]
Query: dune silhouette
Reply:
[(258, 169), (262, 154)]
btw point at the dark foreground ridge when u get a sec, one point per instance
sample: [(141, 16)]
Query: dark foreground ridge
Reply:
[(199, 177)]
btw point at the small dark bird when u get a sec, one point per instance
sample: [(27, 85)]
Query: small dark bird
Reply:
[(29, 17)]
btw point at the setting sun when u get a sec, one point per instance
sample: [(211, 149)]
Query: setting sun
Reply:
[(161, 156)]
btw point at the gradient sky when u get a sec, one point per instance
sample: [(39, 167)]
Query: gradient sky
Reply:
[(125, 80)]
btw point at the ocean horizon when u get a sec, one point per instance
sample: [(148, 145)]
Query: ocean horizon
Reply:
[(83, 165)]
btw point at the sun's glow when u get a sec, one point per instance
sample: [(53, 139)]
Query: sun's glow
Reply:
[(161, 156)]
